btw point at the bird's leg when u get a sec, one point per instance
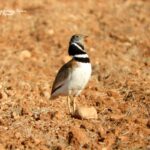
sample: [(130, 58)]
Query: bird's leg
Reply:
[(68, 102), (71, 103), (74, 104)]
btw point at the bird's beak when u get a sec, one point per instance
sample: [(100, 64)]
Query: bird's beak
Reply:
[(85, 36)]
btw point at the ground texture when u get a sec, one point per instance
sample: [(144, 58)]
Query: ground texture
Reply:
[(33, 46)]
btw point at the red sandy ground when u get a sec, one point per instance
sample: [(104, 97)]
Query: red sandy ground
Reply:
[(33, 45)]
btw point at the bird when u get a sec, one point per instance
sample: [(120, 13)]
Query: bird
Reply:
[(73, 76)]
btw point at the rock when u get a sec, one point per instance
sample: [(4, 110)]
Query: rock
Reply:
[(50, 31), (37, 141), (18, 135), (24, 54), (4, 95), (85, 112), (15, 115), (92, 49), (58, 115), (46, 94)]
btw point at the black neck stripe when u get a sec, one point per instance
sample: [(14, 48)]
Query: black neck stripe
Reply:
[(81, 59), (74, 50), (80, 45)]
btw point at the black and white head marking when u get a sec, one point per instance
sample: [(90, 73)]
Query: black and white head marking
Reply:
[(76, 49)]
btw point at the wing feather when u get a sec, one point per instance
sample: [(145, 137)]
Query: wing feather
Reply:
[(61, 77)]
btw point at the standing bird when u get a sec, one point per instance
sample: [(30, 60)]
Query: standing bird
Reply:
[(73, 76)]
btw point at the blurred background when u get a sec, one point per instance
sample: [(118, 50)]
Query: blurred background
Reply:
[(34, 40)]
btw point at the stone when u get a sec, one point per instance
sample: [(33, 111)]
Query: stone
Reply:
[(50, 32), (24, 54), (84, 112), (18, 135)]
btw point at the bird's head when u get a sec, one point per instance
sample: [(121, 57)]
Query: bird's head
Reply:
[(78, 38), (76, 45)]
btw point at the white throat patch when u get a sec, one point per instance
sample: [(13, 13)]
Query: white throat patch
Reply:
[(78, 46)]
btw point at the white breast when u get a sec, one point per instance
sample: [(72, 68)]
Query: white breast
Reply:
[(79, 78)]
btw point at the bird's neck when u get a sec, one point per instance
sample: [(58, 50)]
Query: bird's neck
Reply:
[(76, 50)]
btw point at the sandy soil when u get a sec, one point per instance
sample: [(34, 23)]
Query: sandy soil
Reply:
[(33, 46)]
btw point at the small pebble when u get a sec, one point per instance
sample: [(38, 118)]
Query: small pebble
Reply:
[(51, 32), (25, 54)]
